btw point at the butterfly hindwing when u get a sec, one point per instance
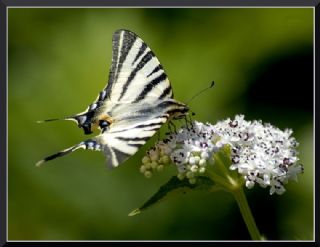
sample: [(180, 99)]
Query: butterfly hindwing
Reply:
[(123, 139)]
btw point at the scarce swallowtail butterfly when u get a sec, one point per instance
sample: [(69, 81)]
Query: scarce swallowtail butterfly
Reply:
[(135, 103)]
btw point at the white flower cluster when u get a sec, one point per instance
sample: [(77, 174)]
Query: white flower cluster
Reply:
[(261, 153)]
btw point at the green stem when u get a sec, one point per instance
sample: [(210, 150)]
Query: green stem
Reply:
[(219, 180), (220, 164), (233, 184), (246, 213)]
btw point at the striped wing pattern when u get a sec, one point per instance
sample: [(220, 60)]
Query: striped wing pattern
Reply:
[(135, 73), (124, 139), (138, 98), (136, 123)]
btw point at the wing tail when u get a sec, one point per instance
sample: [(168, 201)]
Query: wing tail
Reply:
[(88, 144), (56, 119), (82, 119)]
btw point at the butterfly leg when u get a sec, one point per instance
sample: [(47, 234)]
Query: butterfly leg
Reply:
[(188, 121), (158, 136), (172, 125)]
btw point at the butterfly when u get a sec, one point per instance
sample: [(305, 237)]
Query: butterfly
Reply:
[(135, 103)]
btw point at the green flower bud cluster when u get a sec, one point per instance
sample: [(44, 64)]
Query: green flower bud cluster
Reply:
[(155, 160)]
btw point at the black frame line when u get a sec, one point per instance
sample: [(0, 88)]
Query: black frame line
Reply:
[(5, 4), (163, 3)]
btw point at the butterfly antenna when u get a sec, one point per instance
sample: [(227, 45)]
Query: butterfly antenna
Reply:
[(200, 92)]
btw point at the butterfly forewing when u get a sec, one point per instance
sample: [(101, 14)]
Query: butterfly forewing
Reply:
[(135, 73), (137, 101)]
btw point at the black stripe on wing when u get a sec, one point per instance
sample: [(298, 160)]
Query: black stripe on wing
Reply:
[(122, 41), (150, 86), (155, 70), (166, 93), (134, 141), (146, 58), (115, 156), (146, 127), (142, 48), (127, 139), (154, 124)]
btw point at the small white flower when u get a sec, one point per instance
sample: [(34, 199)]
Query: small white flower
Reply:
[(148, 174), (194, 168), (202, 162), (192, 161), (202, 170), (204, 155)]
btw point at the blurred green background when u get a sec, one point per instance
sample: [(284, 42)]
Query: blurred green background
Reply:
[(262, 63)]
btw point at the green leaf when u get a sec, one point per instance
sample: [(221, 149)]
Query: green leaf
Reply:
[(176, 186)]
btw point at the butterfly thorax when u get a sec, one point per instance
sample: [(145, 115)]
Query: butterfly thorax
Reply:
[(177, 110)]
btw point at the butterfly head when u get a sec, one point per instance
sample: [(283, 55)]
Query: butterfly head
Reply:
[(88, 122)]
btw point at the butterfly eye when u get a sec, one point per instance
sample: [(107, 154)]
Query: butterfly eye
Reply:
[(103, 124)]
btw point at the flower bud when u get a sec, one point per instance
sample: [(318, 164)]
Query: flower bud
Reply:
[(148, 174)]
